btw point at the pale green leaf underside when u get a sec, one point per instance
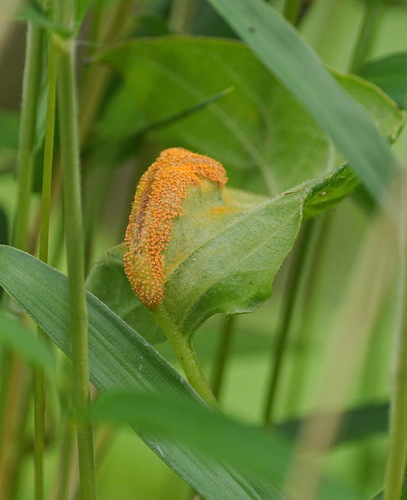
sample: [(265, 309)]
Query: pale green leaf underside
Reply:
[(224, 253), (260, 133), (120, 359)]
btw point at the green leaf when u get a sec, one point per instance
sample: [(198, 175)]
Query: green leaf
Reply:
[(109, 283), (280, 47), (224, 253), (260, 133), (31, 349), (358, 423), (257, 452), (390, 74), (120, 359), (247, 448)]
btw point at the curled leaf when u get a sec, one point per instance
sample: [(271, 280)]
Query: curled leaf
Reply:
[(221, 255), (156, 204)]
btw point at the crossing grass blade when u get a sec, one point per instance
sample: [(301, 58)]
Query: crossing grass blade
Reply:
[(280, 47)]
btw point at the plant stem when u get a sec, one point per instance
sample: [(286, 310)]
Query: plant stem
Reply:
[(67, 107), (187, 358), (12, 424), (181, 15), (117, 21), (298, 379), (290, 300), (60, 490), (31, 86), (396, 461), (13, 371), (39, 398), (225, 342), (367, 33), (291, 11)]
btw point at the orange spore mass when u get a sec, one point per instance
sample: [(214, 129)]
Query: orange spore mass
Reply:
[(156, 203)]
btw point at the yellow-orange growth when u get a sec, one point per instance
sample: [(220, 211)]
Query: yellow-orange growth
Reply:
[(156, 203)]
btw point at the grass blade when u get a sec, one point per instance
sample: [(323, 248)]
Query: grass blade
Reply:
[(283, 51)]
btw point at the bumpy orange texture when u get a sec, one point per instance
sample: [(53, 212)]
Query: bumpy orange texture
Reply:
[(156, 203)]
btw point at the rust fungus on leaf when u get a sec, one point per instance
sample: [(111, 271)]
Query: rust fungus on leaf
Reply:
[(156, 203)]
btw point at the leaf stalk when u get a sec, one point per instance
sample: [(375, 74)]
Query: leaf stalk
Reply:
[(187, 357)]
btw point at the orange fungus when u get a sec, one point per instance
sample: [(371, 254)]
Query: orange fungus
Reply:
[(156, 203)]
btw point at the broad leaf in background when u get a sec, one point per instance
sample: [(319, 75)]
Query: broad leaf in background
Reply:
[(120, 359), (280, 47), (259, 132), (390, 74), (16, 338), (109, 283)]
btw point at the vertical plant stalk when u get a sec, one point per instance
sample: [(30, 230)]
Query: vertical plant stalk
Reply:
[(39, 397), (290, 300), (226, 337), (12, 368), (397, 455), (298, 378), (364, 43), (291, 11), (117, 22), (25, 160), (351, 325), (64, 468), (181, 15), (67, 107)]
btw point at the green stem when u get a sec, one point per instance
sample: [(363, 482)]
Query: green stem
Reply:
[(396, 461), (39, 397), (39, 431), (290, 300), (187, 358), (181, 15), (10, 413), (298, 379), (31, 87), (291, 11), (67, 107), (364, 43), (60, 491), (225, 342), (111, 26)]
